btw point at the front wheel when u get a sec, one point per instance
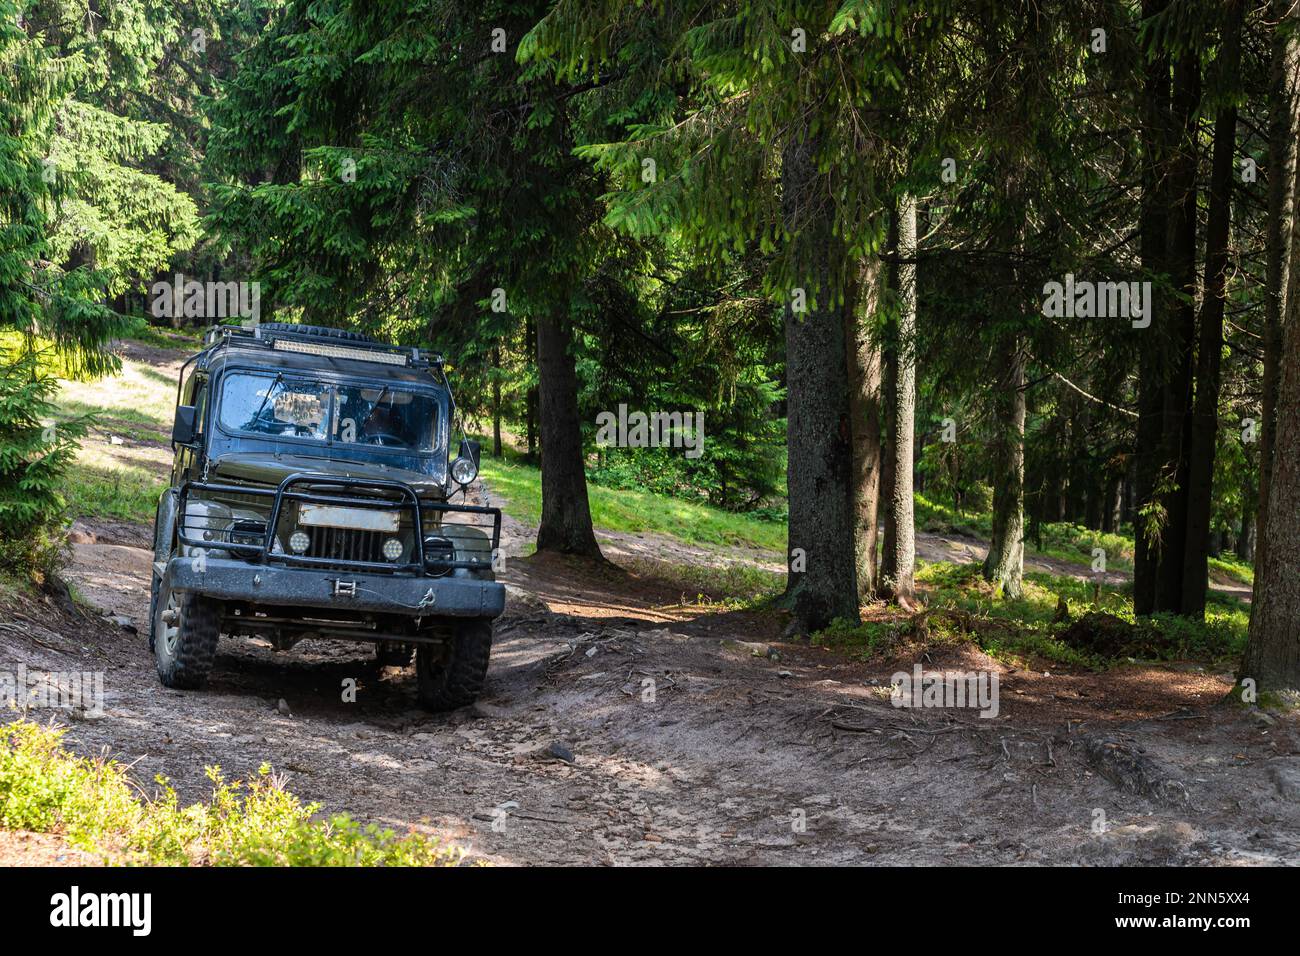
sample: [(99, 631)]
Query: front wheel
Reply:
[(186, 627), (451, 675)]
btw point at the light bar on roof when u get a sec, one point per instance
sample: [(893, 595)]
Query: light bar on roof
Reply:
[(342, 351)]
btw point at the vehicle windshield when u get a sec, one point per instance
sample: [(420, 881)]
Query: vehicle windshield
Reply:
[(293, 406)]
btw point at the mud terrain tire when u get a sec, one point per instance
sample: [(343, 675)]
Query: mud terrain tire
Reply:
[(451, 675), (184, 654)]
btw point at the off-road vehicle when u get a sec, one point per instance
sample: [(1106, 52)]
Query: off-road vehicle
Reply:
[(310, 497)]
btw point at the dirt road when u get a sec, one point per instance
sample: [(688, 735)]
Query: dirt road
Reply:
[(621, 727)]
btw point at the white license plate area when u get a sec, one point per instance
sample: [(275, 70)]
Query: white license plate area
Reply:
[(338, 516)]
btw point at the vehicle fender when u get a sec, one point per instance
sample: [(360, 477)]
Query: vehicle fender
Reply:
[(164, 525)]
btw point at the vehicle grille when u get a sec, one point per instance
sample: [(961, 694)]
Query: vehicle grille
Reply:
[(345, 544)]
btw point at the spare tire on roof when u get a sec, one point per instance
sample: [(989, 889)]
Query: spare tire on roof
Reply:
[(319, 331)]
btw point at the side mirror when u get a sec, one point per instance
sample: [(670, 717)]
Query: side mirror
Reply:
[(470, 449), (183, 426)]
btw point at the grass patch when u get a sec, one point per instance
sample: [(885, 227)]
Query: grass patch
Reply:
[(1061, 540), (636, 512), (732, 586), (139, 395), (119, 482), (519, 484), (962, 607), (141, 331), (1019, 631), (96, 807), (121, 494), (864, 641), (934, 517), (1233, 568), (1221, 637), (1072, 542)]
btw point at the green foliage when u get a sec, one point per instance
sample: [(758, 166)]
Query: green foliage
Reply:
[(654, 470), (637, 512), (35, 455), (1074, 542), (255, 822), (138, 329), (1034, 629), (935, 517), (440, 168), (82, 220), (44, 789), (122, 494), (865, 640), (729, 475), (1233, 569), (58, 300)]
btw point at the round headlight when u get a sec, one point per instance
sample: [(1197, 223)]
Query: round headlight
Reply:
[(464, 470), (299, 542), (392, 549)]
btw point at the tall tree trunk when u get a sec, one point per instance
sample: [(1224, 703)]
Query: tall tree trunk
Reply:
[(1082, 472), (1245, 545), (1113, 513), (566, 513), (1273, 647), (1165, 381), (1205, 414), (496, 401), (822, 584), (864, 415), (888, 387), (1284, 94), (1176, 440), (1153, 227), (1005, 562), (1004, 565), (898, 563), (530, 399)]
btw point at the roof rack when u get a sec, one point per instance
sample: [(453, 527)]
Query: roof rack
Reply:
[(283, 340)]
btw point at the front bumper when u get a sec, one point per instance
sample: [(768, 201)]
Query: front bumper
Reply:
[(229, 579)]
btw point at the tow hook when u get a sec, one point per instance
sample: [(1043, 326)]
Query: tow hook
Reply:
[(345, 588)]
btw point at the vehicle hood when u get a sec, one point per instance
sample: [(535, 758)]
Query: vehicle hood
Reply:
[(270, 469)]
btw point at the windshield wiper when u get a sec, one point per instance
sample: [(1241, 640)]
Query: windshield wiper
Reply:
[(279, 379)]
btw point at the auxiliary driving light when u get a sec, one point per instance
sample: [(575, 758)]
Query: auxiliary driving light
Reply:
[(392, 549), (299, 542)]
